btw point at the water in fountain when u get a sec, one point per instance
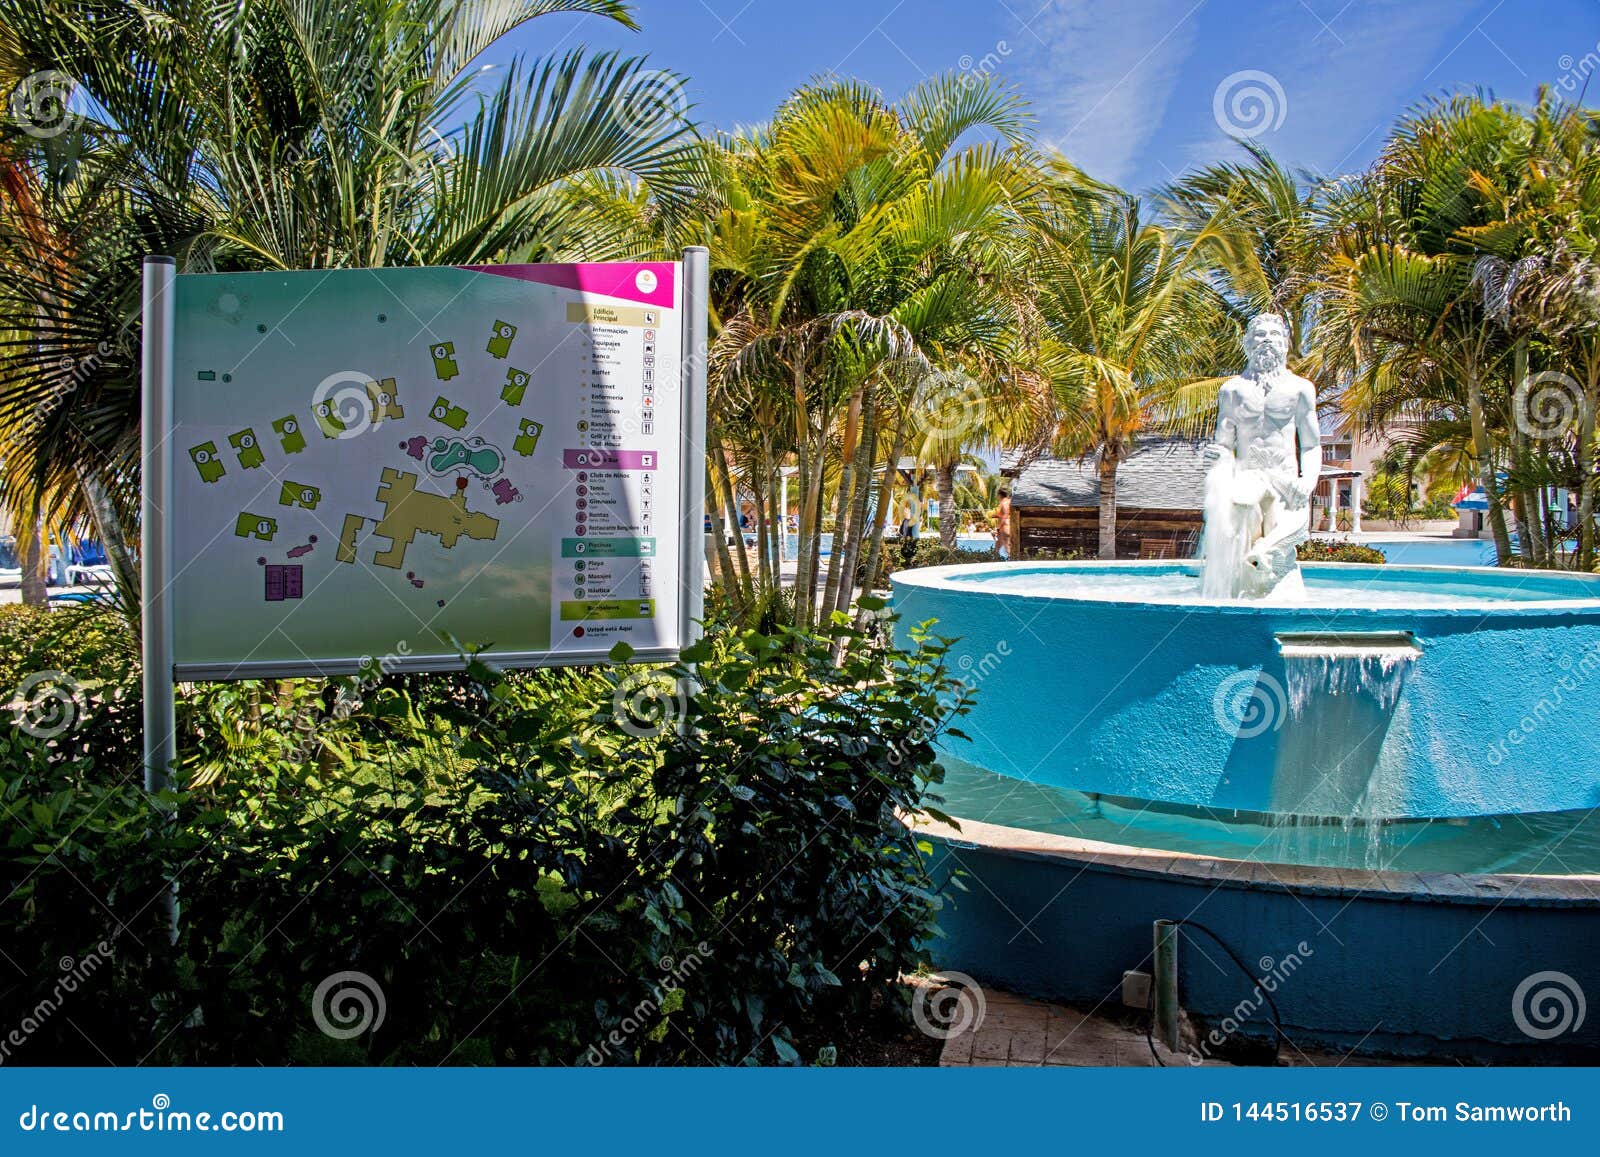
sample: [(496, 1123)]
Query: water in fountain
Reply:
[(1225, 544)]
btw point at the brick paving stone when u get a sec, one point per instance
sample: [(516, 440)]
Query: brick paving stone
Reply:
[(992, 1043), (1028, 1047)]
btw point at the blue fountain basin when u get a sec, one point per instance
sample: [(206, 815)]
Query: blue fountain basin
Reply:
[(1117, 679)]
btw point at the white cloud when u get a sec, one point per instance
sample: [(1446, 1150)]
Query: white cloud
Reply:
[(1347, 83), (1124, 88), (1101, 73)]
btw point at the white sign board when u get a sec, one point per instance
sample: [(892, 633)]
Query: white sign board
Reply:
[(403, 464)]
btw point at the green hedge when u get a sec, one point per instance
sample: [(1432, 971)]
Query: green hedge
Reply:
[(609, 865), (932, 552)]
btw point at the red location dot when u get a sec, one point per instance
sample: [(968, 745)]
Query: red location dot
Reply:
[(461, 483)]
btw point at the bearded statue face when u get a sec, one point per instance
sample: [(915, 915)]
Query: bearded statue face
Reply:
[(1266, 343)]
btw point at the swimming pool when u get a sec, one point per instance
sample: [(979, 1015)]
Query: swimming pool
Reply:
[(1436, 551)]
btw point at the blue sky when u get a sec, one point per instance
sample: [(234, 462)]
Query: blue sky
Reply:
[(1133, 90)]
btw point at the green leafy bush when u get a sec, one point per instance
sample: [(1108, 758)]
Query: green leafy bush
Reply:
[(1321, 550), (690, 864), (71, 676)]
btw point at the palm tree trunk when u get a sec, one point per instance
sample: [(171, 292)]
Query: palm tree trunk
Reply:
[(946, 475), (1586, 419), (34, 561), (779, 514), (1108, 502), (1528, 501), (108, 528), (719, 543), (815, 502), (869, 573), (842, 503), (758, 493), (866, 453), (730, 502), (1485, 456)]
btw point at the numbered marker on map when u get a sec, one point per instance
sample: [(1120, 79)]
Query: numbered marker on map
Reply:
[(244, 442), (205, 458), (516, 385), (448, 413), (528, 441), (255, 526), (444, 360), (299, 494), (288, 431), (500, 340)]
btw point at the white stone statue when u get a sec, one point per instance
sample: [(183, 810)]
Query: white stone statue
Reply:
[(1258, 491)]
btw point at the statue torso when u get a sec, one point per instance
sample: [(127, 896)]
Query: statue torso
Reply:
[(1264, 415)]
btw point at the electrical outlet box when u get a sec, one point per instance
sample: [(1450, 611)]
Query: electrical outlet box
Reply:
[(1136, 989)]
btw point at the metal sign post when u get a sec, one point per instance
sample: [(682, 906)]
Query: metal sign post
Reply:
[(696, 352), (155, 540)]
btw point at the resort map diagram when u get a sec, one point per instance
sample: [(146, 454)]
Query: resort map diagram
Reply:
[(439, 459)]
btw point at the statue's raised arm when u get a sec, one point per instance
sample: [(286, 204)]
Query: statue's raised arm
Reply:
[(1268, 454)]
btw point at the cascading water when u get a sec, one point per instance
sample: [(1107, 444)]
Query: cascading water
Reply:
[(1341, 691), (1229, 531), (1371, 666)]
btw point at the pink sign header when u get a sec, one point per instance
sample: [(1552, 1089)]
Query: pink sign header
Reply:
[(647, 282)]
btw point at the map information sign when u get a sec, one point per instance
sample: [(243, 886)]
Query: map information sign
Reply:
[(409, 463)]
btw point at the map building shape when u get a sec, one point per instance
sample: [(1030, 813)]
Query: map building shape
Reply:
[(408, 511)]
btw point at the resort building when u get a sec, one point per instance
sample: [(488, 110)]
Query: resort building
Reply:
[(1055, 502)]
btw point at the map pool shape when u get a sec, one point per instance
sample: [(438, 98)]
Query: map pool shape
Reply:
[(408, 511), (473, 454)]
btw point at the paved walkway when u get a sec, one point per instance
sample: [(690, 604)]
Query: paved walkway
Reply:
[(1018, 1031)]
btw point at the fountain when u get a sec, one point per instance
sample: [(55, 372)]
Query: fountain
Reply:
[(1393, 765)]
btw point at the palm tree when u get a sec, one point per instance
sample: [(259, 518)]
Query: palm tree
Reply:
[(1401, 315), (1130, 320), (1266, 245), (861, 263), (282, 135)]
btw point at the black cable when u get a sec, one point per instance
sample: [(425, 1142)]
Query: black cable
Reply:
[(1272, 1005)]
